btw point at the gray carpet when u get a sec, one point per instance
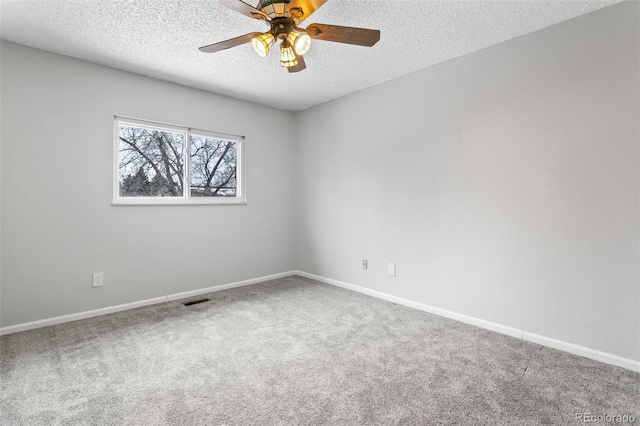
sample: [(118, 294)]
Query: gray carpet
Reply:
[(294, 351)]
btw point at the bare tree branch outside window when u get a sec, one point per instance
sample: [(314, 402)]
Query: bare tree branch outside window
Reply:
[(152, 163), (213, 167)]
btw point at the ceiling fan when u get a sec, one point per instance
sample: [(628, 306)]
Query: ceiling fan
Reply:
[(284, 16)]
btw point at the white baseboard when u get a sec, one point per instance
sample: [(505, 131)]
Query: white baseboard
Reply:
[(112, 309), (604, 357), (79, 316), (607, 358), (499, 328), (192, 293)]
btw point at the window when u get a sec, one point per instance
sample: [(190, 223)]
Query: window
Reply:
[(164, 164)]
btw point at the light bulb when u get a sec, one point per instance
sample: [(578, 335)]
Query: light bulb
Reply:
[(262, 43), (301, 42)]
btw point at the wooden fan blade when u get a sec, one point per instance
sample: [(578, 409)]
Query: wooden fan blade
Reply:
[(301, 65), (304, 8), (216, 47), (349, 35), (245, 9)]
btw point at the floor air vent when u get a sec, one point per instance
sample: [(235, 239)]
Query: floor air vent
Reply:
[(195, 302)]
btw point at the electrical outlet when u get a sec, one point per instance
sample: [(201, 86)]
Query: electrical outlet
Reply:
[(98, 279), (391, 269), (365, 264)]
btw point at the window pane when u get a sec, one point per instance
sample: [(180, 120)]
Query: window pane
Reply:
[(151, 162), (213, 167)]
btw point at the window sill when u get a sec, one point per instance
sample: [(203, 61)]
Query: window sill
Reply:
[(142, 201)]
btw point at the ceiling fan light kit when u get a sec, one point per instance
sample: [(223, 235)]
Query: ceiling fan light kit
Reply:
[(301, 42), (287, 57), (262, 43), (283, 16)]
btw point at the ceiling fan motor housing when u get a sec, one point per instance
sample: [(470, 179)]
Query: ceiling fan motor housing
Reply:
[(280, 27), (274, 8), (264, 3)]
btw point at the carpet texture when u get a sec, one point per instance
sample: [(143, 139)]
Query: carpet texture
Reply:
[(296, 352)]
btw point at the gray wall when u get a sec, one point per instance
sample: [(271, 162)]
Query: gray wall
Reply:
[(504, 184), (57, 222)]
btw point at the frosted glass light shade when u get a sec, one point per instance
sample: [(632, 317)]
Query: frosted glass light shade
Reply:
[(262, 43), (287, 57), (301, 42)]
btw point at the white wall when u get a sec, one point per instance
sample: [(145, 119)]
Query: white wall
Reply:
[(58, 225), (504, 184)]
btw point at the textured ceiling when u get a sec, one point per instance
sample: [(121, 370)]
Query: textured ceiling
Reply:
[(160, 39)]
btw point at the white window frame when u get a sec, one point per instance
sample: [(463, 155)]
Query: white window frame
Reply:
[(186, 198)]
